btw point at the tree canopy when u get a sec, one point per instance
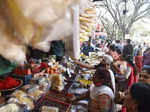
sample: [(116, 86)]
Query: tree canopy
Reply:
[(118, 16)]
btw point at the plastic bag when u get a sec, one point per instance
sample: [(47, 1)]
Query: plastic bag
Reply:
[(35, 94), (35, 22), (23, 26), (22, 98), (11, 48), (11, 108), (50, 15), (57, 82)]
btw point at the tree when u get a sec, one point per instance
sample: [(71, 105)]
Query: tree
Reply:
[(109, 26), (124, 13)]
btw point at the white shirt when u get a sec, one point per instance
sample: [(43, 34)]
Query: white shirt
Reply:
[(112, 80), (95, 91)]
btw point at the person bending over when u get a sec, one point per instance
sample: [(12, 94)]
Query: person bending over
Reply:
[(101, 93)]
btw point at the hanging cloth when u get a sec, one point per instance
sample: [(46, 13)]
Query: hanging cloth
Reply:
[(22, 27), (132, 78)]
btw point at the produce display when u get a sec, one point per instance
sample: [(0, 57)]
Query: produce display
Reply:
[(85, 82), (12, 107), (59, 81), (35, 93), (22, 98), (93, 58), (8, 83)]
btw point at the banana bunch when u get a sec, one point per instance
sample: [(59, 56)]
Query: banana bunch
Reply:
[(86, 23)]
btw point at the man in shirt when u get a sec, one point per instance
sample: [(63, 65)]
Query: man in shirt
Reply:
[(87, 48), (128, 50), (146, 60)]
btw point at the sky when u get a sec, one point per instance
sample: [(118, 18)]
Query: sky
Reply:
[(145, 25)]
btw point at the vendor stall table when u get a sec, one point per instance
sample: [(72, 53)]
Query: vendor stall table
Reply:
[(53, 99)]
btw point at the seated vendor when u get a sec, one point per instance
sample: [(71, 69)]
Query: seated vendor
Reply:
[(87, 48), (101, 94)]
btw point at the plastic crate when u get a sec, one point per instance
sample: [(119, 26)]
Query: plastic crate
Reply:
[(54, 102)]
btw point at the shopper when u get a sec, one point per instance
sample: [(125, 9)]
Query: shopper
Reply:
[(118, 45), (139, 61), (130, 77), (138, 99), (146, 60), (116, 54), (145, 77), (133, 75), (111, 49), (128, 50), (123, 72), (137, 49)]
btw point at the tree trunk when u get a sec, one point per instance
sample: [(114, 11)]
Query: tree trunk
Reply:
[(123, 36)]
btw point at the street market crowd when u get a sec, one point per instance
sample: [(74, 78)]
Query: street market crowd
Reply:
[(121, 81), (108, 77)]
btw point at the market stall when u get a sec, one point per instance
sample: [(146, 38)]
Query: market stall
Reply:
[(38, 86), (49, 86), (41, 82)]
